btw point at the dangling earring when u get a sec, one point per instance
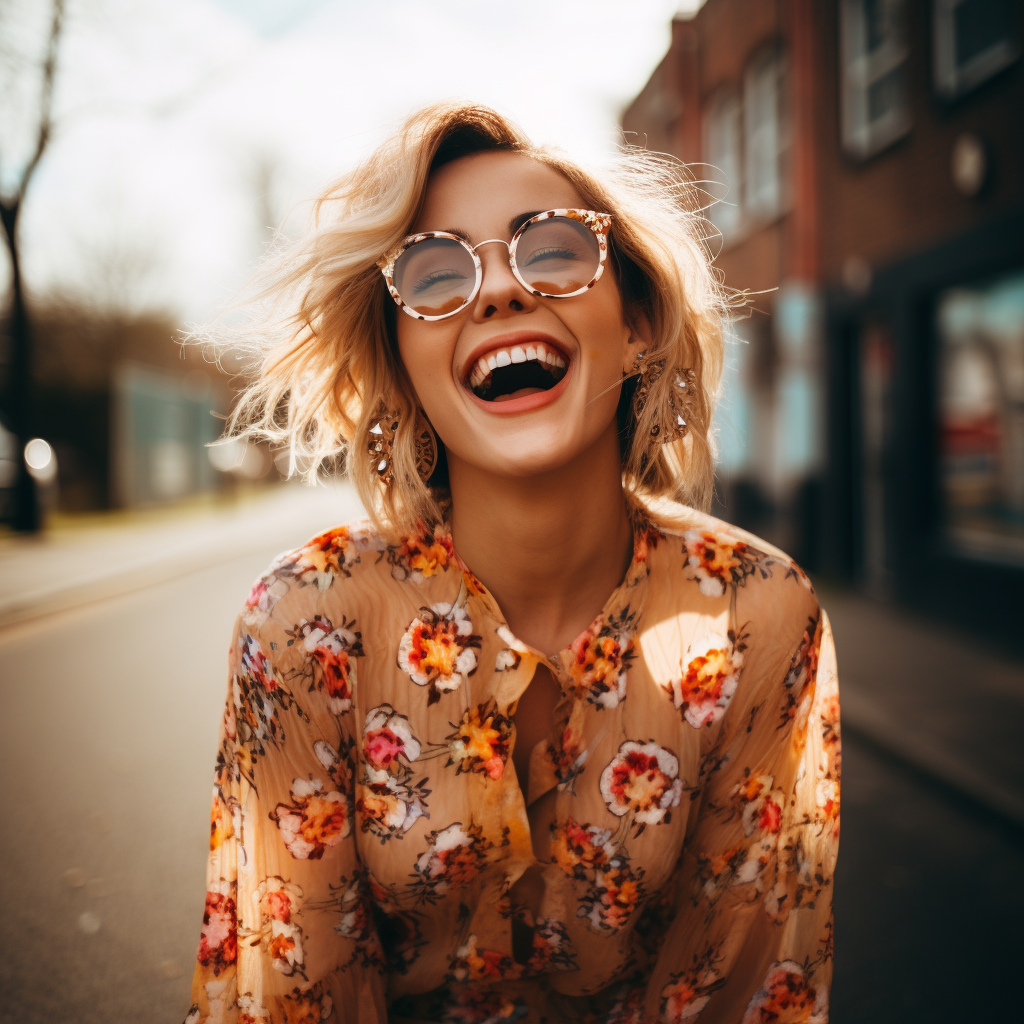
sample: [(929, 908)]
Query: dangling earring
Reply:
[(381, 442), (426, 449), (680, 398)]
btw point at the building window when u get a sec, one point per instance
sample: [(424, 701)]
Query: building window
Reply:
[(973, 41), (875, 109), (722, 152), (765, 136), (981, 416)]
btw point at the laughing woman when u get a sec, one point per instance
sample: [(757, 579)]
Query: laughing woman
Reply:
[(539, 741)]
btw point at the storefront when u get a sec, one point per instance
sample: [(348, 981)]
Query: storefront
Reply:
[(925, 477)]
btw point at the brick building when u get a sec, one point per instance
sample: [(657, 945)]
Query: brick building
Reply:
[(868, 161)]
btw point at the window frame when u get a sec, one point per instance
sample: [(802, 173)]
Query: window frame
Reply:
[(950, 80)]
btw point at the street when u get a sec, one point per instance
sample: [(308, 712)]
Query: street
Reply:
[(108, 738)]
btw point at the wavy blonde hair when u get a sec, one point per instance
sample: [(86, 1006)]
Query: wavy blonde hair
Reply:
[(322, 337)]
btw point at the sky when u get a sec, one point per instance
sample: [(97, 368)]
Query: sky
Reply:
[(185, 129)]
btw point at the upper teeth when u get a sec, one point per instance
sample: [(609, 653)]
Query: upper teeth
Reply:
[(537, 351)]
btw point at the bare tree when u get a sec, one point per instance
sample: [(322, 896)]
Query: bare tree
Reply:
[(26, 505)]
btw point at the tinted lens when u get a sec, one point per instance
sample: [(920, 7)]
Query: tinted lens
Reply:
[(558, 256), (435, 276)]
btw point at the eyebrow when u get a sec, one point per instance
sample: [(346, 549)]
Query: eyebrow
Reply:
[(513, 225)]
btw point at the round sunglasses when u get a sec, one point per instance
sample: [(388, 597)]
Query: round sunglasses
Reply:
[(557, 254)]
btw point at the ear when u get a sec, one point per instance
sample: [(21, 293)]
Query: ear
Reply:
[(637, 342)]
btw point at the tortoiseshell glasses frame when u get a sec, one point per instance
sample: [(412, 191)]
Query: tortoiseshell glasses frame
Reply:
[(599, 224)]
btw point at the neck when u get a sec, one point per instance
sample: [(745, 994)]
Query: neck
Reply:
[(551, 548)]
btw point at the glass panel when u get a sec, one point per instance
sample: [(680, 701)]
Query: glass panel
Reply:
[(979, 26), (981, 415), (886, 94)]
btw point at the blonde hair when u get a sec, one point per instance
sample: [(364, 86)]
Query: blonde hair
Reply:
[(323, 334)]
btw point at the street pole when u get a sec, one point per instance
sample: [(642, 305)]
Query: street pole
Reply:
[(26, 518)]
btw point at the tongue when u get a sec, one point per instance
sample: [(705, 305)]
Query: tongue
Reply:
[(521, 393)]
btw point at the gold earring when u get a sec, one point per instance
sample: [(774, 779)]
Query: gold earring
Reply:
[(381, 442), (680, 398), (426, 449)]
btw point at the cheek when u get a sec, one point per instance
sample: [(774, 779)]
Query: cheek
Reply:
[(426, 355)]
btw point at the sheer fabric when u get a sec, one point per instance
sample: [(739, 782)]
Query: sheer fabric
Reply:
[(372, 852)]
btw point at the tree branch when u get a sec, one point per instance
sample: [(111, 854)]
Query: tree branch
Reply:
[(49, 74)]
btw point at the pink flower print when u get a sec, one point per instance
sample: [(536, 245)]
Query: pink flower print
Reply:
[(218, 940), (387, 736), (642, 780)]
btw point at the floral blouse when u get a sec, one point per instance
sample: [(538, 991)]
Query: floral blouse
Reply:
[(369, 830)]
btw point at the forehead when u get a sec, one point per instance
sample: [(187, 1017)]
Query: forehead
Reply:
[(479, 194)]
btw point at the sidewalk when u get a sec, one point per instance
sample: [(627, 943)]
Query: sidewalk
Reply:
[(71, 567), (935, 699)]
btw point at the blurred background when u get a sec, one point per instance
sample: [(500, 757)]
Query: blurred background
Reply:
[(862, 167)]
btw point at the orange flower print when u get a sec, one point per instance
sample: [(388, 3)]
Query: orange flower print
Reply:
[(218, 940), (422, 554), (389, 801), (567, 759), (708, 682), (580, 849), (309, 1007), (437, 650), (472, 964), (332, 652), (742, 864), (599, 658), (279, 935), (552, 948), (349, 899), (761, 806), (468, 1005), (803, 668), (259, 698), (612, 896), (827, 801), (642, 781), (480, 742), (645, 540), (314, 821), (452, 860), (787, 997), (324, 558), (688, 992), (716, 563)]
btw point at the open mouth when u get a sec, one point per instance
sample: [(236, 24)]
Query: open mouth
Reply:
[(504, 374)]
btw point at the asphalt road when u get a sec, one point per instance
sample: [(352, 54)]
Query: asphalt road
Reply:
[(107, 739)]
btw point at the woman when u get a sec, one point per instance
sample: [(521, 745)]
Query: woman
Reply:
[(535, 742)]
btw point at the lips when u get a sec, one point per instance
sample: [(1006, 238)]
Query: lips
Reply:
[(516, 367)]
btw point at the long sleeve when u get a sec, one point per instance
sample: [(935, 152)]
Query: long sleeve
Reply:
[(287, 933), (751, 937)]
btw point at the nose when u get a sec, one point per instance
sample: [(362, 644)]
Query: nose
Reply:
[(500, 291)]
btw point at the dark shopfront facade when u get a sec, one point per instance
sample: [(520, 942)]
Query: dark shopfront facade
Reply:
[(924, 489)]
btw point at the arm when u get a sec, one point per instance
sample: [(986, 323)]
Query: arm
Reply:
[(751, 940), (286, 931)]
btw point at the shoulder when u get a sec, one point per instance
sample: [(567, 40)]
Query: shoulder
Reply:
[(296, 580), (722, 560), (337, 568)]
